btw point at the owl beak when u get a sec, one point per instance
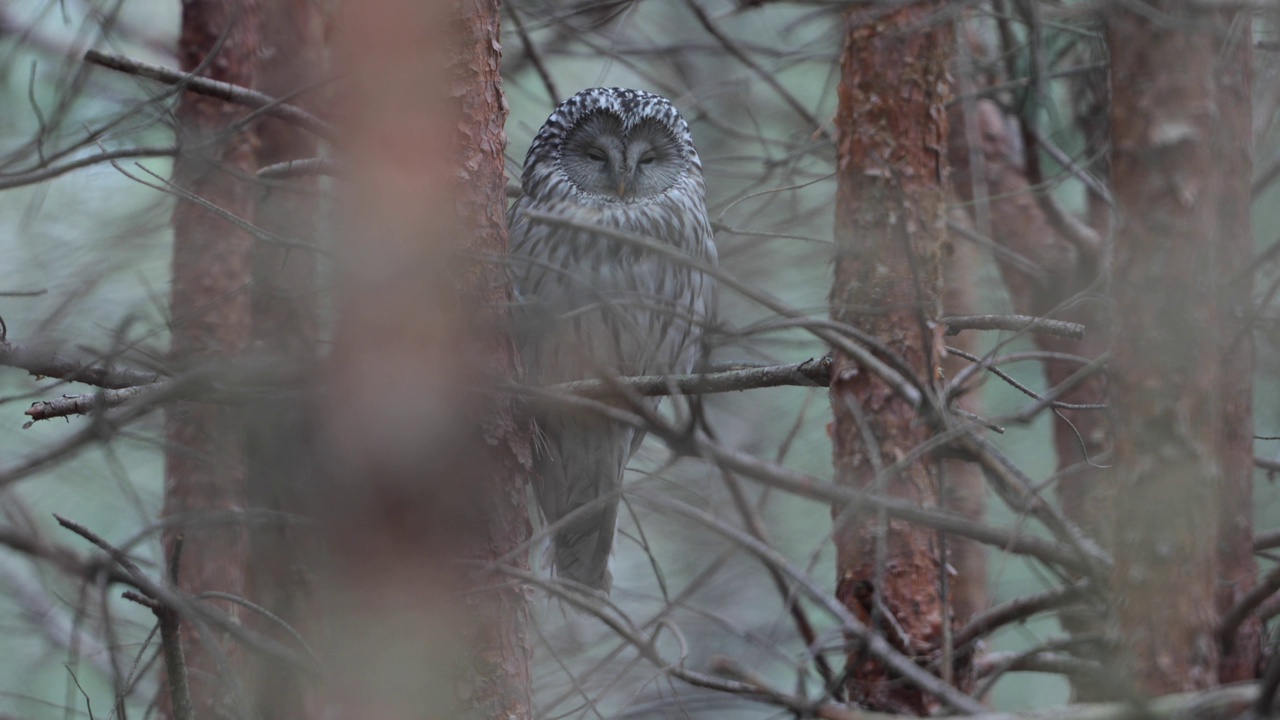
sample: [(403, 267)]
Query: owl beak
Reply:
[(622, 186)]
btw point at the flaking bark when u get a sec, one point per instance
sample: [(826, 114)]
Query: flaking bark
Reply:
[(890, 226)]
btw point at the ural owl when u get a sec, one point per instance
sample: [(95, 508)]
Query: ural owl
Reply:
[(595, 306)]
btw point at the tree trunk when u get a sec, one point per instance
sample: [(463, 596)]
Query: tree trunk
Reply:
[(283, 557), (890, 226), (1232, 149), (1184, 215), (426, 466), (210, 320), (986, 171)]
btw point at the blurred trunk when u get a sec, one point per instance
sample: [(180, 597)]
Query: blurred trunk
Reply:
[(890, 226), (210, 319), (1180, 180), (1232, 150), (280, 456), (426, 467)]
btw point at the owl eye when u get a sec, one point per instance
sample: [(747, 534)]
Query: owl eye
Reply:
[(596, 156), (648, 158)]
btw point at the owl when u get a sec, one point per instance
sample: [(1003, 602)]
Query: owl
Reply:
[(590, 305)]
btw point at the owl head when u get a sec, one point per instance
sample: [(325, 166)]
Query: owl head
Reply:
[(613, 145)]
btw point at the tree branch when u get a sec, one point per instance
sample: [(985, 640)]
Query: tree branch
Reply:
[(43, 363), (215, 88), (85, 403), (1017, 323)]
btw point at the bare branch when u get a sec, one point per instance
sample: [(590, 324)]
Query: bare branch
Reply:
[(218, 89), (85, 403), (907, 388), (1017, 610), (1017, 323), (91, 372), (810, 373)]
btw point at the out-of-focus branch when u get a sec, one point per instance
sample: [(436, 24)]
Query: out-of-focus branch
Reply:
[(992, 666), (49, 172), (732, 670), (1268, 465), (1267, 586), (230, 385), (1017, 610), (63, 558), (120, 568)]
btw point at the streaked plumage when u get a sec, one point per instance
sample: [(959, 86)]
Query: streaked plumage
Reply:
[(591, 305)]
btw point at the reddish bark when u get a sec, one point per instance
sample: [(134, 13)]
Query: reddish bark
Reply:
[(209, 311), (1183, 207), (890, 225), (425, 468)]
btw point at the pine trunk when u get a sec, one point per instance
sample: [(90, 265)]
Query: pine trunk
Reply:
[(1177, 405), (890, 228), (210, 319)]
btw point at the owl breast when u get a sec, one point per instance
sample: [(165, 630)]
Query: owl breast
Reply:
[(593, 305)]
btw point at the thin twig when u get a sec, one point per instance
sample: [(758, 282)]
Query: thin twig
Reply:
[(161, 594)]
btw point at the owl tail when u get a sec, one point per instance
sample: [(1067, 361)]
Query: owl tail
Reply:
[(581, 465)]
